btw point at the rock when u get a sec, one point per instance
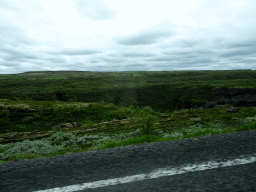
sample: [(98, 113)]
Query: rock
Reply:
[(200, 108), (195, 119), (75, 124), (222, 106), (232, 109), (237, 97), (163, 116), (65, 125)]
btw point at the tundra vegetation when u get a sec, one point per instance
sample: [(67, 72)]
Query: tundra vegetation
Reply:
[(106, 124)]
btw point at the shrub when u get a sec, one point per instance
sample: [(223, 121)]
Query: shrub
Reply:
[(147, 128)]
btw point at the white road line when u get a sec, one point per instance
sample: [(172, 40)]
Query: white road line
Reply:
[(155, 174)]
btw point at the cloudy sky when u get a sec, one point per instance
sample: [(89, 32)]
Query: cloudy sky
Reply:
[(127, 35)]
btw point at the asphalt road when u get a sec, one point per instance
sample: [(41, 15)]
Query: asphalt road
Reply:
[(224, 162)]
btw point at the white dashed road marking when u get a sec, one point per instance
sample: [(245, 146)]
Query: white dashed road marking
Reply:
[(155, 174)]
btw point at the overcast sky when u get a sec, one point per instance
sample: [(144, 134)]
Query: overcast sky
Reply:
[(127, 35)]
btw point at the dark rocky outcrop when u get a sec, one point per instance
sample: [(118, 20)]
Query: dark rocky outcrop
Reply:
[(235, 97), (166, 98)]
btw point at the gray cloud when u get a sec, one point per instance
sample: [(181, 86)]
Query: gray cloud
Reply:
[(95, 9), (14, 36), (74, 52), (150, 35), (5, 4), (18, 5), (92, 38)]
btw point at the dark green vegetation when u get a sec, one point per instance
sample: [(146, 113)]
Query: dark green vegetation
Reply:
[(98, 102), (156, 89)]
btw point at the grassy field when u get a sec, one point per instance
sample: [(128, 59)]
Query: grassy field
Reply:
[(113, 126), (104, 124), (119, 88)]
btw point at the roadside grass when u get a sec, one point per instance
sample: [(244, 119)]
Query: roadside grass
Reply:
[(111, 143), (144, 130)]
